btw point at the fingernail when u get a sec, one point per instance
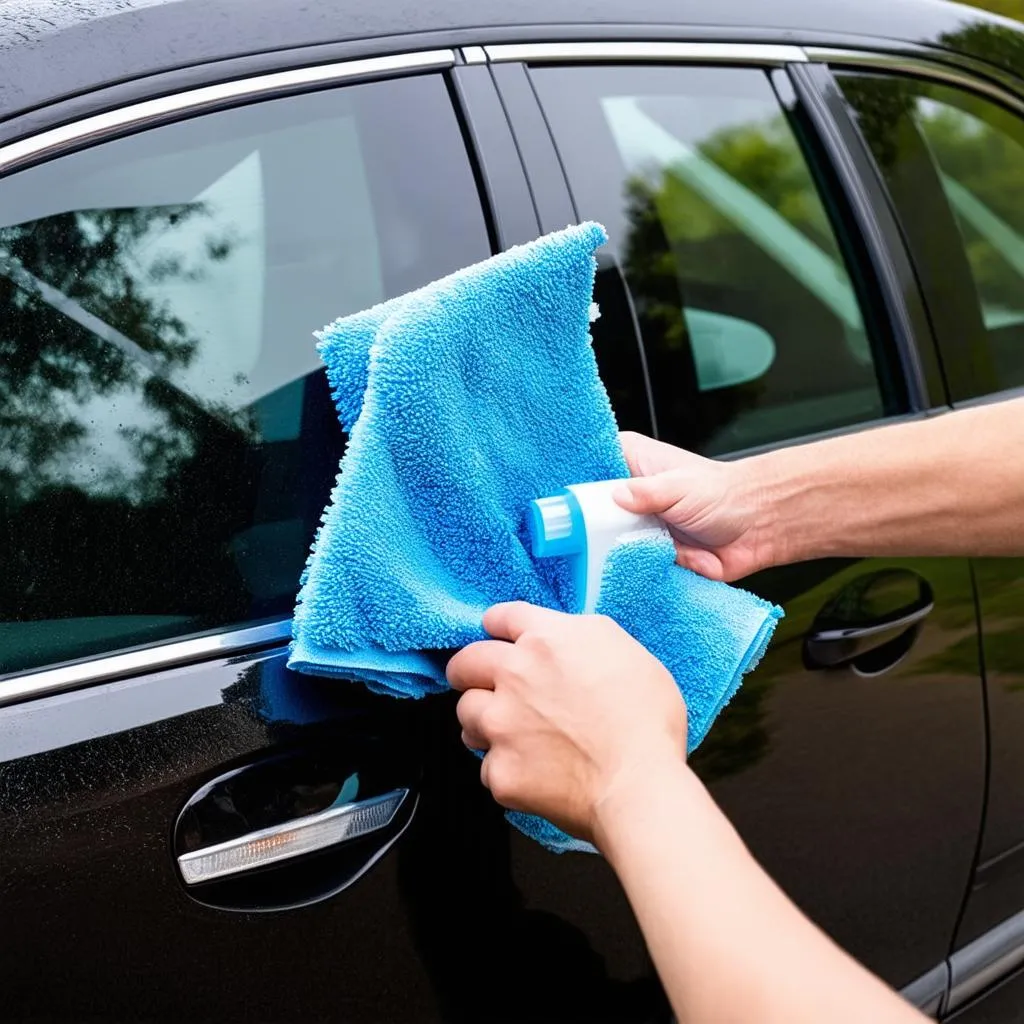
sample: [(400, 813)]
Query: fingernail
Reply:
[(623, 495)]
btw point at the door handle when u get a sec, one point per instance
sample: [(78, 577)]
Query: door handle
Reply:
[(307, 834), (294, 828), (851, 631)]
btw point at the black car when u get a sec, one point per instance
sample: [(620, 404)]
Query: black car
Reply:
[(816, 213)]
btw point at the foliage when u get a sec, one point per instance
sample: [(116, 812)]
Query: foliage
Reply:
[(1007, 8)]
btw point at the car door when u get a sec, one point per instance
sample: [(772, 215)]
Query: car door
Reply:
[(951, 153), (186, 830), (854, 771)]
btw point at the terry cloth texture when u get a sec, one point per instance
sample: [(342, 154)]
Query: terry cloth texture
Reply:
[(464, 401)]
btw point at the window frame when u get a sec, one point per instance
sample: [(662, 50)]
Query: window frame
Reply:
[(51, 143), (843, 174)]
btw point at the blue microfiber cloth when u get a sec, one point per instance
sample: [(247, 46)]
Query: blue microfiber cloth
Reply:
[(464, 401)]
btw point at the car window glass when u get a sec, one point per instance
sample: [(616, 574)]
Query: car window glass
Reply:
[(740, 287), (974, 149), (167, 439)]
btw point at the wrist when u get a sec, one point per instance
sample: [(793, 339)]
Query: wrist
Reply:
[(630, 806), (759, 488), (793, 500)]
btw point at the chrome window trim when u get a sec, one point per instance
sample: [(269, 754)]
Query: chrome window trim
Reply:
[(921, 67), (474, 55), (148, 113), (705, 53), (42, 683)]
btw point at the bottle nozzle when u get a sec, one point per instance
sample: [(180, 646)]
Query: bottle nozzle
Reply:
[(556, 526)]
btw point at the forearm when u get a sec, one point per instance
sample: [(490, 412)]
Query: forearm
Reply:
[(728, 945), (943, 486)]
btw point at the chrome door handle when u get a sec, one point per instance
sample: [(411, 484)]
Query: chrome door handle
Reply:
[(851, 631), (308, 834)]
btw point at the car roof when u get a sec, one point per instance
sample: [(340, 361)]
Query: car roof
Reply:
[(54, 49)]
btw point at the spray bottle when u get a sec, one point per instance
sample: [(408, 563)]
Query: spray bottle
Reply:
[(584, 522)]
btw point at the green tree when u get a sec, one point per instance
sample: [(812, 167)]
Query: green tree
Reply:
[(1007, 8)]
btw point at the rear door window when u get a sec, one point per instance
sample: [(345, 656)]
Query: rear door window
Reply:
[(167, 439), (953, 162), (749, 315)]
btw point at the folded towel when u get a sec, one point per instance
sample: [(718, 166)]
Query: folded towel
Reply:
[(464, 401)]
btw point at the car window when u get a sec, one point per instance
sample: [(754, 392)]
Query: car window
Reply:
[(952, 157), (167, 439), (746, 307)]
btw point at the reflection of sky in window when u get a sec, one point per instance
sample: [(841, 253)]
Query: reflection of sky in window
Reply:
[(221, 301), (932, 110), (220, 304), (291, 260), (693, 120)]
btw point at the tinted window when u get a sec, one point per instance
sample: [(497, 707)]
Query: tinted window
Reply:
[(745, 304), (167, 441), (954, 163)]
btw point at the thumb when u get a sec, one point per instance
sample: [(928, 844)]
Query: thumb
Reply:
[(650, 495)]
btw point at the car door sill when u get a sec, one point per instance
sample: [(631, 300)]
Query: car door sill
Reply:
[(986, 961), (970, 971)]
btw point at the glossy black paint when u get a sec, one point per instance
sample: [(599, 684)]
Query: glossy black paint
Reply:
[(106, 928), (975, 365), (998, 889), (861, 792), (497, 160), (540, 160)]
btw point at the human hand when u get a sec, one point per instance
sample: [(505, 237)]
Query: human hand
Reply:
[(570, 709), (711, 508)]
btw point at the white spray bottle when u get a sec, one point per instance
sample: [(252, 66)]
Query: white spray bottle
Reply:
[(584, 522)]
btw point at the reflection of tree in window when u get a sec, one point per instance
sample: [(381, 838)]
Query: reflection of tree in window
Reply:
[(978, 150), (946, 151), (681, 252), (76, 329)]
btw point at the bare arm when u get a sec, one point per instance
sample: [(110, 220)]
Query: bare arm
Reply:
[(585, 727), (728, 945), (950, 485)]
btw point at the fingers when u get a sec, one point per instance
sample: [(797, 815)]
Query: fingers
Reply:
[(651, 495), (509, 621), (700, 561), (475, 666), (632, 446), (472, 741), (470, 711)]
